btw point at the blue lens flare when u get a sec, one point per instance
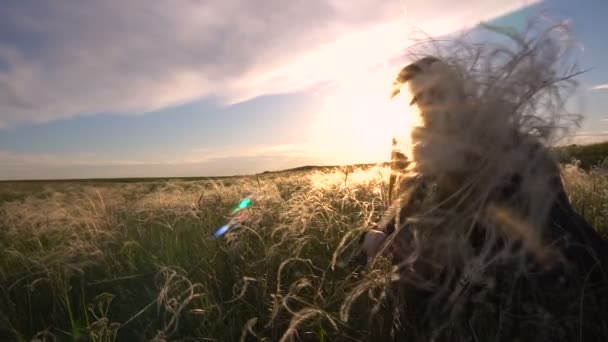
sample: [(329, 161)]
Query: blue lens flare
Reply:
[(221, 231), (244, 203)]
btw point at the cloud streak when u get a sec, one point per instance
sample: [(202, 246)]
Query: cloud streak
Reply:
[(585, 137), (600, 87), (198, 162), (297, 150), (71, 58), (219, 167)]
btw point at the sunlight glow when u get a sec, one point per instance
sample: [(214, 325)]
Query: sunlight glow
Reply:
[(358, 120), (331, 180)]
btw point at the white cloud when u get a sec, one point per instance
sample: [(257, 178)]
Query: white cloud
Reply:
[(222, 167), (586, 137), (302, 149), (600, 87), (198, 162), (39, 159), (71, 58)]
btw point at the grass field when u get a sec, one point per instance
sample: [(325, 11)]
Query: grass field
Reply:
[(588, 156), (128, 261)]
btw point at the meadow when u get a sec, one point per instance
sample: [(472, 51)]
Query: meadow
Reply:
[(136, 260)]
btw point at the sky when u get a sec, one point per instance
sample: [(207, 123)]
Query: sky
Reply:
[(133, 88)]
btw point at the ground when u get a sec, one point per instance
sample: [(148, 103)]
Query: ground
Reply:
[(136, 260)]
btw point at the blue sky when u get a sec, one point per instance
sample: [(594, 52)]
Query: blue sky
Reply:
[(134, 88)]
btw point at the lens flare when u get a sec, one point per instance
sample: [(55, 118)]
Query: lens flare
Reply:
[(221, 231), (244, 203)]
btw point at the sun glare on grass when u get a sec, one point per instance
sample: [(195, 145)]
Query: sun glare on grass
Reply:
[(358, 120)]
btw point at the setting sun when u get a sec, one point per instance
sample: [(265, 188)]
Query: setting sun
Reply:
[(358, 120)]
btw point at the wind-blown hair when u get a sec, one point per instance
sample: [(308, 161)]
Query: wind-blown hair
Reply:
[(486, 224)]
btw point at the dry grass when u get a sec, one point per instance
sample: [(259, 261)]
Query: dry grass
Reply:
[(137, 261)]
